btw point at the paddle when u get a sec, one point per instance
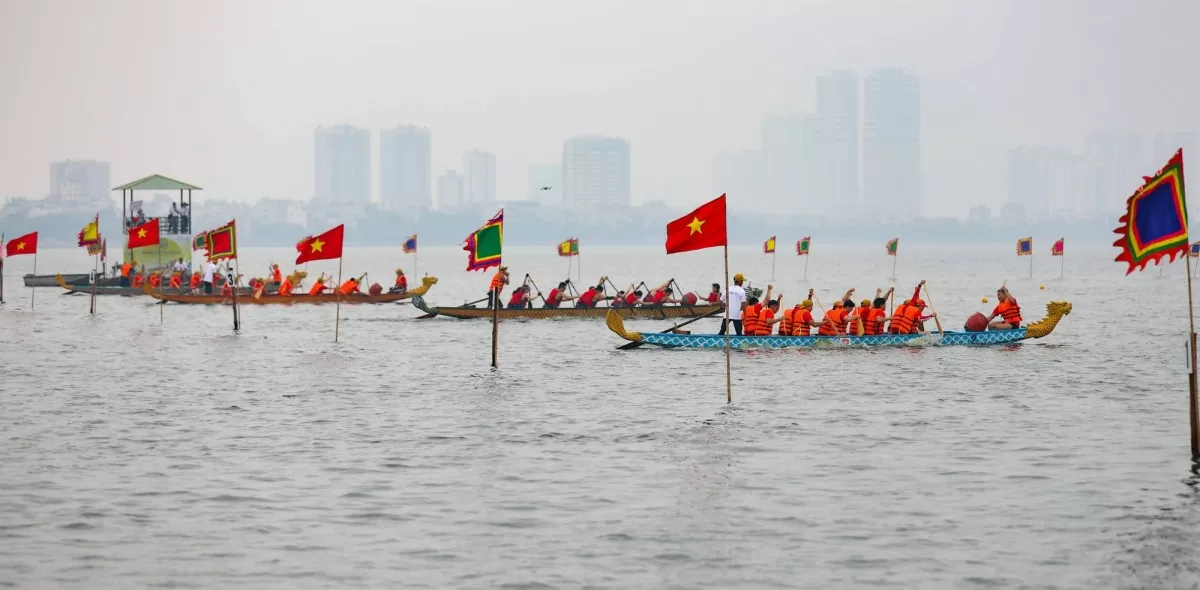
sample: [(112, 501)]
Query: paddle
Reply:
[(935, 317), (632, 345)]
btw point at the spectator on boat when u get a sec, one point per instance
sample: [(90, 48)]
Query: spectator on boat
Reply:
[(401, 285), (559, 295), (173, 218), (736, 300), (499, 280), (208, 271), (126, 271), (1008, 310), (520, 298)]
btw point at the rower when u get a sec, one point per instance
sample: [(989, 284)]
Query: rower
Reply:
[(138, 280), (874, 316), (401, 282), (591, 297), (802, 319), (834, 322), (520, 298), (285, 287), (350, 287), (318, 287), (276, 274), (558, 295), (785, 323), (713, 296), (632, 297), (499, 280), (853, 321), (660, 296), (766, 317), (1008, 310), (750, 313)]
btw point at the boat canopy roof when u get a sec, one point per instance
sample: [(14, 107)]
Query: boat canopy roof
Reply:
[(157, 182)]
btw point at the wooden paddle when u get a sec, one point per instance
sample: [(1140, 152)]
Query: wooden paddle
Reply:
[(936, 320), (632, 345)]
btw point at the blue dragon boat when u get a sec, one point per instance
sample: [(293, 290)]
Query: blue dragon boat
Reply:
[(1056, 310)]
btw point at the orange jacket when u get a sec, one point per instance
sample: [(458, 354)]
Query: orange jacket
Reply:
[(317, 288), (285, 288), (348, 287)]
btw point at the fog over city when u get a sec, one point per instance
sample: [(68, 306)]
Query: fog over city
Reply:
[(227, 94)]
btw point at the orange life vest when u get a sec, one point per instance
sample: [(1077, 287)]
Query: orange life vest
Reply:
[(899, 325), (195, 282), (155, 281), (497, 282), (126, 269), (175, 282), (834, 322), (1010, 311), (871, 321), (750, 319), (764, 316), (277, 275), (785, 325), (285, 288), (317, 288), (138, 280), (851, 322), (910, 322), (402, 282), (348, 287), (801, 322)]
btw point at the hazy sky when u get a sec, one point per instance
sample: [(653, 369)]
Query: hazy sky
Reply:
[(226, 93)]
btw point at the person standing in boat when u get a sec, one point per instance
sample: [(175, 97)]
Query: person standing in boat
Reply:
[(208, 271), (1008, 310), (735, 299), (499, 280)]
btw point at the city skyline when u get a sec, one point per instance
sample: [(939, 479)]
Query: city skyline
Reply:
[(487, 78)]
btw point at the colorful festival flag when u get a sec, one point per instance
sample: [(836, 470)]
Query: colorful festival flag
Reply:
[(893, 246), (1025, 247), (1195, 253), (702, 228), (326, 246), (769, 245), (410, 244), (1057, 248), (484, 245), (90, 234), (222, 242), (95, 248), (200, 241), (569, 247), (803, 245), (144, 235), (26, 244), (1155, 222)]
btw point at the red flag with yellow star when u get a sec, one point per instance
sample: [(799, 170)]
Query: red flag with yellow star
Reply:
[(145, 234), (702, 228), (323, 247), (26, 244)]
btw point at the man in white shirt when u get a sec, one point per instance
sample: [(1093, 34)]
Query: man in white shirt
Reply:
[(736, 300), (208, 270)]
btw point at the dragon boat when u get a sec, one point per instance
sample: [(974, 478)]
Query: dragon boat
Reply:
[(270, 299), (1055, 311), (662, 312), (102, 289)]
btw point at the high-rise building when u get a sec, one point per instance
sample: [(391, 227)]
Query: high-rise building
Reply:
[(80, 180), (1050, 181), (740, 176), (545, 184), (479, 170), (595, 173), (787, 167), (342, 164), (1118, 160), (836, 155), (450, 191), (405, 168), (891, 167)]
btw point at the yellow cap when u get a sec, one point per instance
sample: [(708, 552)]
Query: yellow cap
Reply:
[(866, 303), (739, 277), (806, 303), (399, 271)]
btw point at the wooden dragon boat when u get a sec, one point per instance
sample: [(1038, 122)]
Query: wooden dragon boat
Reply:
[(101, 289), (426, 284), (663, 312), (1055, 310)]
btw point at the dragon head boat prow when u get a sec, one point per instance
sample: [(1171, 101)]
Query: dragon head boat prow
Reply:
[(1055, 311)]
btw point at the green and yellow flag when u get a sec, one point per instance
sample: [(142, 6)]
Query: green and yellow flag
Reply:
[(484, 245)]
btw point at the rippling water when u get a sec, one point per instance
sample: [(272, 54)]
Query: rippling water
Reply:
[(140, 454)]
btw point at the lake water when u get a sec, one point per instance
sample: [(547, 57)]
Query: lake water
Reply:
[(135, 453)]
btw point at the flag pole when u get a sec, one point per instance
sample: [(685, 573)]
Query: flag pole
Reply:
[(94, 279), (33, 295), (3, 244), (1192, 383), (1062, 264), (578, 267), (806, 257), (337, 322), (894, 258), (161, 303), (1031, 261), (774, 254), (495, 322), (728, 375)]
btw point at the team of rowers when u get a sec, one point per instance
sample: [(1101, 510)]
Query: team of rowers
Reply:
[(276, 283), (522, 297), (751, 316)]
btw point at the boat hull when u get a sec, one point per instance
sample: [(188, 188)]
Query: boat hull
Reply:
[(107, 290), (665, 312), (302, 299), (32, 280), (1056, 310)]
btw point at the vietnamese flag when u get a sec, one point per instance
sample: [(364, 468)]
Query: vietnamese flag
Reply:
[(26, 244), (143, 235), (702, 228), (326, 246)]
